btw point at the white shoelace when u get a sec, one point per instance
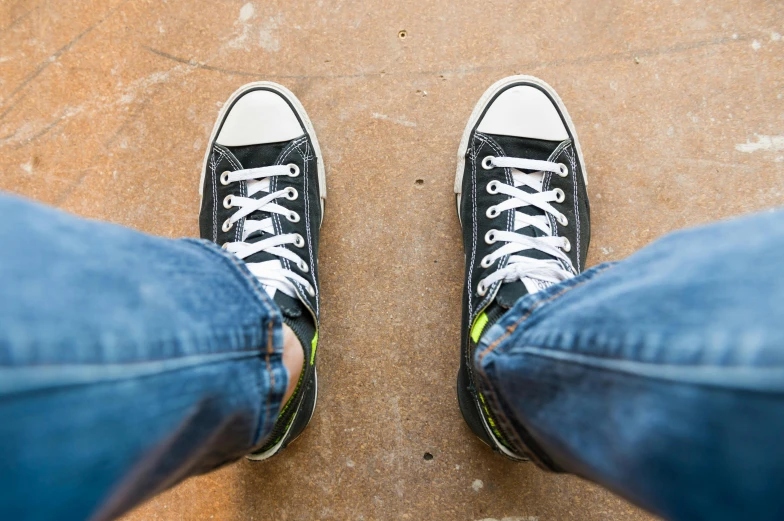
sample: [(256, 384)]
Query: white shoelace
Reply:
[(545, 271), (272, 275)]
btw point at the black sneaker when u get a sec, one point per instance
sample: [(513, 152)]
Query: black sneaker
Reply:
[(523, 206), (263, 192)]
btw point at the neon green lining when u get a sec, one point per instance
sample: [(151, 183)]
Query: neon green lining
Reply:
[(478, 327), (313, 345)]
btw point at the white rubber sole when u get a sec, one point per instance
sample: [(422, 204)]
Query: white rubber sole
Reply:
[(276, 448), (479, 109), (298, 108)]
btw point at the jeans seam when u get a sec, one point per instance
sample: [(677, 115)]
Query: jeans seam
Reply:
[(552, 354), (221, 337), (583, 342), (273, 395), (253, 284), (211, 358), (490, 394)]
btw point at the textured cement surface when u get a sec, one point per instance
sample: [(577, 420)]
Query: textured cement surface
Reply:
[(106, 107)]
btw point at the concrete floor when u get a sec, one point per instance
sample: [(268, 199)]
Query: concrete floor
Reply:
[(106, 107)]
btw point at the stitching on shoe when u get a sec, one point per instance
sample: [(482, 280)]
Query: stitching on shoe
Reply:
[(294, 145), (509, 219), (571, 156), (307, 228), (305, 157), (474, 225), (240, 225), (271, 373), (284, 155), (286, 151), (549, 176), (214, 165), (243, 191)]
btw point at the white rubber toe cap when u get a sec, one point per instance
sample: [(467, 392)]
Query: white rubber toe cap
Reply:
[(524, 111), (260, 116)]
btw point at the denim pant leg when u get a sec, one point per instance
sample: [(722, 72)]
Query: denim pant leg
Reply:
[(660, 377), (127, 363)]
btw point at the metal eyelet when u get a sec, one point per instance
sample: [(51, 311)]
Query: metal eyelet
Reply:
[(481, 289), (559, 195), (563, 171), (567, 247), (490, 236), (299, 241), (293, 170), (224, 178), (486, 261), (311, 291), (492, 187), (291, 193), (227, 225), (293, 217), (227, 201), (303, 266), (487, 163), (562, 220), (492, 212), (225, 246)]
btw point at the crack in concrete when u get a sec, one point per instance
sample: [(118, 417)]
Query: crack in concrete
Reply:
[(53, 57), (16, 21), (631, 55)]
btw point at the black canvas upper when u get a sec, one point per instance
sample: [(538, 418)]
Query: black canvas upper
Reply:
[(500, 297), (308, 203), (301, 314)]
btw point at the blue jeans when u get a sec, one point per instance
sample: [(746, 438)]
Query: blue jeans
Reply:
[(129, 362), (660, 377)]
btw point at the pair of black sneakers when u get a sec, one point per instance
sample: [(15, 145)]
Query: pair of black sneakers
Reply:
[(521, 200)]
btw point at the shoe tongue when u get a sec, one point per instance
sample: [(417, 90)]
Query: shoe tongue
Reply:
[(510, 292), (257, 156), (295, 314), (526, 148)]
